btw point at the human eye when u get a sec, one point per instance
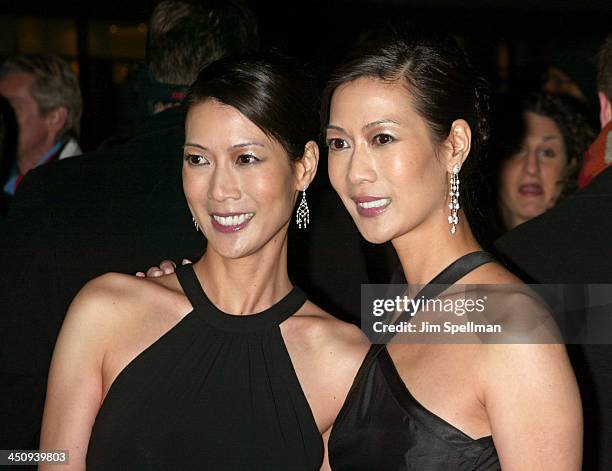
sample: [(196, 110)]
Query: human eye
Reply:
[(548, 152), (247, 159), (382, 139), (335, 143), (196, 160)]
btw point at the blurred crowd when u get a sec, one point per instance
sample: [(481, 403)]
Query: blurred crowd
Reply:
[(67, 216)]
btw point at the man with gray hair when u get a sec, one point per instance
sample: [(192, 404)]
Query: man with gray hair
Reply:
[(119, 209), (46, 98)]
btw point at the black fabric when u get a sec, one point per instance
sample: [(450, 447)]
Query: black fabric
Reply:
[(123, 210), (568, 244), (120, 210), (456, 270), (572, 243), (382, 426), (217, 391)]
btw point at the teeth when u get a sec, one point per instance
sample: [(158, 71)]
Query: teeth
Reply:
[(233, 220), (375, 203)]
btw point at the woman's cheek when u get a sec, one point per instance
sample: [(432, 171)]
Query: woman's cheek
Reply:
[(555, 181)]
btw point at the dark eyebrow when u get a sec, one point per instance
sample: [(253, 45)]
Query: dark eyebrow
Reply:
[(192, 144), (337, 128), (380, 121), (247, 144), (367, 126)]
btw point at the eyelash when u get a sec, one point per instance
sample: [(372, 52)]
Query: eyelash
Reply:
[(250, 156), (189, 158), (332, 141), (375, 140)]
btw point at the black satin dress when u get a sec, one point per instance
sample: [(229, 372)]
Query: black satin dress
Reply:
[(216, 392), (383, 427)]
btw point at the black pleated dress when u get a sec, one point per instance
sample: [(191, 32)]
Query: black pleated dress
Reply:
[(215, 392), (383, 427)]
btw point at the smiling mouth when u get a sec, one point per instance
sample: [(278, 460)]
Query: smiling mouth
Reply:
[(231, 222), (370, 207)]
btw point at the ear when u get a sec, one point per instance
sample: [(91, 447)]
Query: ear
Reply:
[(457, 145), (306, 167), (605, 109), (56, 119)]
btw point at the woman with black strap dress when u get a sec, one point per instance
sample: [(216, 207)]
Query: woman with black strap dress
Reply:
[(224, 365), (403, 113)]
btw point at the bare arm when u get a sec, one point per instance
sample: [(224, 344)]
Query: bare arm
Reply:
[(534, 409), (74, 390)]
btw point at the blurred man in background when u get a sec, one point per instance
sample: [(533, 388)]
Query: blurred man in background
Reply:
[(120, 209), (599, 155), (46, 98)]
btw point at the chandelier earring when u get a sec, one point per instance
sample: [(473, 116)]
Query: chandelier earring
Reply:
[(302, 216), (453, 205)]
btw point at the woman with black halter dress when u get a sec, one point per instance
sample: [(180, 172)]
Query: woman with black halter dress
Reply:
[(224, 365), (406, 124)]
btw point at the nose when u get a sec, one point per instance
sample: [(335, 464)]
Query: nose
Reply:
[(531, 163), (224, 185), (362, 168)]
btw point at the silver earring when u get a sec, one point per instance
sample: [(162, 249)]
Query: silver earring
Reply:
[(453, 220), (302, 216), (195, 223)]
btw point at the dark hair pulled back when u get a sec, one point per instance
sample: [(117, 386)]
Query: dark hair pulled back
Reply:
[(271, 90), (443, 86)]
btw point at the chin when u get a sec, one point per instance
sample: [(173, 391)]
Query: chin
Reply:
[(374, 235), (531, 213), (233, 253), (229, 249)]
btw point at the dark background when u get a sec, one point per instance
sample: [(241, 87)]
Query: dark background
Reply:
[(509, 41)]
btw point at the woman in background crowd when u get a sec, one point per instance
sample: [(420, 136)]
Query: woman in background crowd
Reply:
[(541, 145)]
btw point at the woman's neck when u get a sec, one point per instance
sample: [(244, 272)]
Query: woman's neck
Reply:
[(249, 284), (428, 249)]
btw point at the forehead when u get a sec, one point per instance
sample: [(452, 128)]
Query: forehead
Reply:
[(212, 117), (367, 99), (218, 126), (16, 84), (540, 126)]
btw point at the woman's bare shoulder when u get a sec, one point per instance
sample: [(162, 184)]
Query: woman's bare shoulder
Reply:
[(113, 299), (491, 273), (320, 331)]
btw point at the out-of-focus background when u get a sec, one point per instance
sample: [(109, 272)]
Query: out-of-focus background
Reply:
[(512, 42)]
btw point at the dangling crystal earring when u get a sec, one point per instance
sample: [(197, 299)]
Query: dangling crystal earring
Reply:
[(453, 220), (302, 216), (195, 223)]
